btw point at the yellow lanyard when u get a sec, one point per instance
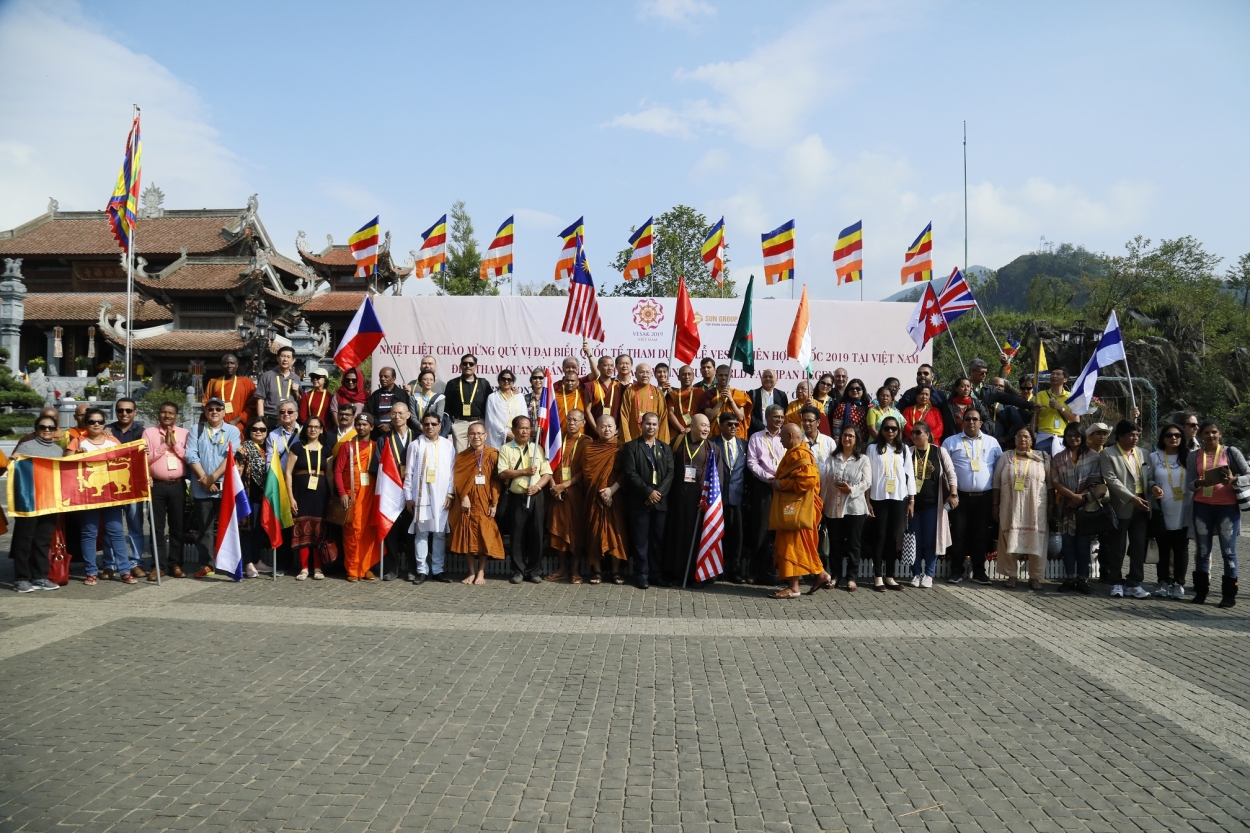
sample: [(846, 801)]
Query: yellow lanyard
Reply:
[(399, 462), (289, 384), (565, 462), (685, 410), (968, 448), (921, 467), (564, 401), (472, 393), (315, 410), (425, 404), (308, 461), (221, 439), (1167, 464), (1140, 485), (768, 438), (689, 456), (1214, 461), (221, 386), (1028, 461), (891, 468)]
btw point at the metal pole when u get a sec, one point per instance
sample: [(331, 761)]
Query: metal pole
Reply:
[(402, 381), (966, 197), (693, 538), (997, 343), (156, 550), (956, 346)]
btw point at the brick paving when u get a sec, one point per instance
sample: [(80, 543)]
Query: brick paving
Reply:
[(327, 706)]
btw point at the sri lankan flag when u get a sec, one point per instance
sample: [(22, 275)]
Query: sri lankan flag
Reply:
[(364, 246), (714, 250), (779, 254), (124, 204), (113, 477), (433, 255), (275, 509), (918, 262), (573, 237), (640, 261), (848, 254), (498, 260)]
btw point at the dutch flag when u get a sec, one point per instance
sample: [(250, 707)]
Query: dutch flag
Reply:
[(234, 505)]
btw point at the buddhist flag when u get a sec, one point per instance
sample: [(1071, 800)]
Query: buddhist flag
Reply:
[(124, 204), (800, 344), (228, 556), (686, 339), (573, 237), (640, 261), (918, 262), (498, 259), (848, 254), (714, 251), (432, 258), (275, 508), (364, 246), (779, 254), (742, 347)]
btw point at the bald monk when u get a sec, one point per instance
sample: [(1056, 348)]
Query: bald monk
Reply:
[(598, 469), (690, 453), (566, 515), (683, 402), (474, 533), (722, 398), (796, 550), (639, 398)]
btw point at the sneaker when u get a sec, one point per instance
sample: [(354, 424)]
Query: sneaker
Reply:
[(517, 578), (1082, 586), (1137, 592), (262, 567), (1178, 592), (983, 579), (955, 580), (1163, 590), (1117, 591), (25, 587), (302, 575), (915, 581), (45, 584), (926, 582)]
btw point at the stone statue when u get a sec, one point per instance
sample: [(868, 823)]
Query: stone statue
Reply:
[(13, 267), (53, 206)]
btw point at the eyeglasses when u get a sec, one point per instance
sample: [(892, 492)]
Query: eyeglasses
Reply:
[(1172, 435), (125, 410), (95, 422), (855, 387), (536, 378), (1191, 425), (260, 430), (214, 409), (468, 364), (888, 428), (286, 413), (916, 433), (431, 424), (46, 428)]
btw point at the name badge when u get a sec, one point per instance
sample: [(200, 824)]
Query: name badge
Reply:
[(1019, 484), (1178, 494), (1208, 491), (479, 479), (230, 407), (687, 418), (889, 485), (655, 478), (467, 410), (976, 465), (690, 474), (171, 462), (313, 480), (431, 475), (565, 473), (364, 478)]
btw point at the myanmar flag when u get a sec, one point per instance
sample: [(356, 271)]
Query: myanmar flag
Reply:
[(275, 509)]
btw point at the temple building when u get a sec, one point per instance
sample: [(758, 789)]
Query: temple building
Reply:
[(206, 282)]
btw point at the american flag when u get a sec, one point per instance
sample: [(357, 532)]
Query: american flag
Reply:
[(582, 315), (956, 297), (711, 561), (549, 429)]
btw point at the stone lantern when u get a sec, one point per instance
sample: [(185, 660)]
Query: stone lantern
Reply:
[(12, 310)]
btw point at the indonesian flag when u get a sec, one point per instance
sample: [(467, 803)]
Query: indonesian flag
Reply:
[(927, 319), (234, 505), (686, 340), (800, 344), (363, 336), (388, 495)]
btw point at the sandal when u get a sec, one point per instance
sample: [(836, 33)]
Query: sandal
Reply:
[(821, 584), (596, 579), (1034, 584), (1010, 583), (559, 577), (618, 580), (785, 594), (318, 575), (578, 580), (91, 581), (127, 578), (850, 585)]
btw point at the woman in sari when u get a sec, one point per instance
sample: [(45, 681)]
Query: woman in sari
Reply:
[(1021, 497), (355, 489)]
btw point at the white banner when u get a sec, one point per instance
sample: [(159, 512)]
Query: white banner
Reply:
[(868, 338)]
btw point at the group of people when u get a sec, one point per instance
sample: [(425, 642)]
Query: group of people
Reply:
[(811, 485)]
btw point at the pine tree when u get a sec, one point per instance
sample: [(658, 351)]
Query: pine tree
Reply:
[(464, 259), (677, 246)]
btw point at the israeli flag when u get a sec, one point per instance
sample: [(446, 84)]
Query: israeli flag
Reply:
[(1110, 350)]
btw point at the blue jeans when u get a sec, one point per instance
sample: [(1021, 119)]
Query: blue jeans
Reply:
[(89, 521), (1076, 555), (923, 525), (133, 513), (436, 555), (1216, 520)]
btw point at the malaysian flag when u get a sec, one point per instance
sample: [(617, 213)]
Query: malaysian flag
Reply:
[(581, 317), (711, 561), (956, 297), (549, 428)]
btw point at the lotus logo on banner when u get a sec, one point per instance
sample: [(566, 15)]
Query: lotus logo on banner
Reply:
[(648, 314)]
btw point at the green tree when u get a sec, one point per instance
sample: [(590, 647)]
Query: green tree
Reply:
[(1238, 279), (464, 259), (677, 248)]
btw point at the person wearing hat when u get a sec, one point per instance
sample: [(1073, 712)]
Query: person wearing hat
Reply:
[(207, 457), (316, 402)]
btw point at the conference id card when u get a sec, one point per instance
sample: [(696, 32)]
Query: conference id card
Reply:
[(479, 480), (467, 410), (565, 474), (313, 480), (655, 478), (690, 474), (1019, 484), (431, 475), (171, 463), (889, 485), (1178, 494), (229, 407), (687, 418), (364, 478), (1208, 491), (976, 465)]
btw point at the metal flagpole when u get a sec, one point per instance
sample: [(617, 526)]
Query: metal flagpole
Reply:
[(402, 381), (1128, 374), (956, 346), (693, 539), (966, 197), (130, 271), (156, 551), (997, 344)]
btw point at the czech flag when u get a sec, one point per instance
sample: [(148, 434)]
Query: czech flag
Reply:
[(363, 336), (364, 246), (234, 505)]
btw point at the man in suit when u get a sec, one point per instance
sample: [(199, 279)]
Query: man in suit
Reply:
[(1127, 473), (731, 464), (763, 397), (648, 468)]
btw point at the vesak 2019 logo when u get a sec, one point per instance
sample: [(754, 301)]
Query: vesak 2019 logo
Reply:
[(648, 314)]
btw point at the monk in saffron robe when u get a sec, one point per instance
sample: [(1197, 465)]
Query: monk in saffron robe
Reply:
[(640, 398), (598, 468), (474, 533), (355, 489), (724, 398), (796, 551), (566, 515)]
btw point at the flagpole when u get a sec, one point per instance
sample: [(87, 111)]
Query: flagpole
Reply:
[(130, 271), (997, 343), (156, 552), (693, 538), (1128, 374), (966, 199), (402, 381), (950, 333)]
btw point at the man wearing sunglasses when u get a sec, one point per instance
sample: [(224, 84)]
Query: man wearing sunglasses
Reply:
[(127, 429), (974, 456), (207, 457), (1190, 425), (466, 400)]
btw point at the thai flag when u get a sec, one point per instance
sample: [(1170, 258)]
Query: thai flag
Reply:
[(363, 336), (711, 561), (956, 297), (234, 505), (549, 435)]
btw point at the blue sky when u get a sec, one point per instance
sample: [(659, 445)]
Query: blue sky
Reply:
[(1088, 123)]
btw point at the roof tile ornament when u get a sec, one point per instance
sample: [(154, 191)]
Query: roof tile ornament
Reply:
[(301, 241), (53, 206), (152, 200), (12, 267)]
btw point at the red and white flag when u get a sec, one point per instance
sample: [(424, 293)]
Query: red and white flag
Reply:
[(711, 560), (388, 495), (550, 432), (927, 319)]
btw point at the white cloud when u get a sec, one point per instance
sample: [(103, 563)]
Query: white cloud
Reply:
[(539, 220), (70, 110), (714, 161), (661, 120), (676, 11)]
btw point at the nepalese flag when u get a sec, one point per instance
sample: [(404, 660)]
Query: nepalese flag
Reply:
[(574, 237), (550, 431), (234, 506), (498, 259), (363, 336), (714, 250), (918, 262), (124, 204), (927, 320), (956, 297), (581, 317), (848, 254), (432, 258), (779, 254), (640, 261), (364, 246), (711, 561)]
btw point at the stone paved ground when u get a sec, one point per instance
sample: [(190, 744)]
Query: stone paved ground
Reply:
[(328, 706)]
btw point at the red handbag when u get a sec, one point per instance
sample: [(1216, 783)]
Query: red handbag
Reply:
[(58, 556)]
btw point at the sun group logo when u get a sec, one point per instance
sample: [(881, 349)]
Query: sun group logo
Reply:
[(648, 314)]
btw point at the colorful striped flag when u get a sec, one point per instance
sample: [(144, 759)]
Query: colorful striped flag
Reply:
[(640, 261), (364, 246), (114, 476), (714, 251), (918, 262), (124, 204), (275, 507), (498, 259), (956, 297), (848, 254), (581, 317), (573, 236), (432, 258), (779, 254), (550, 434), (228, 556), (711, 562)]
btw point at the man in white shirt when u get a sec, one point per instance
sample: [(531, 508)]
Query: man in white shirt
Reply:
[(974, 456), (428, 492)]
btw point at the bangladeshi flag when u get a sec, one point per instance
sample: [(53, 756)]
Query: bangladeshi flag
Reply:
[(116, 476), (275, 509), (742, 347)]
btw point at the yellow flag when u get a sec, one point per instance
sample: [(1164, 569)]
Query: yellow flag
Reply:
[(1041, 365)]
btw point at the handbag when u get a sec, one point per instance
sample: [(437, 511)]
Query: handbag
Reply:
[(908, 557), (58, 556), (1097, 516), (794, 514)]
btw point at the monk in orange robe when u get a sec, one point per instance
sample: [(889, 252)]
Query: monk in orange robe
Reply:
[(795, 551), (640, 398), (598, 468), (569, 394), (355, 489), (566, 516), (723, 398), (683, 403), (474, 532)]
